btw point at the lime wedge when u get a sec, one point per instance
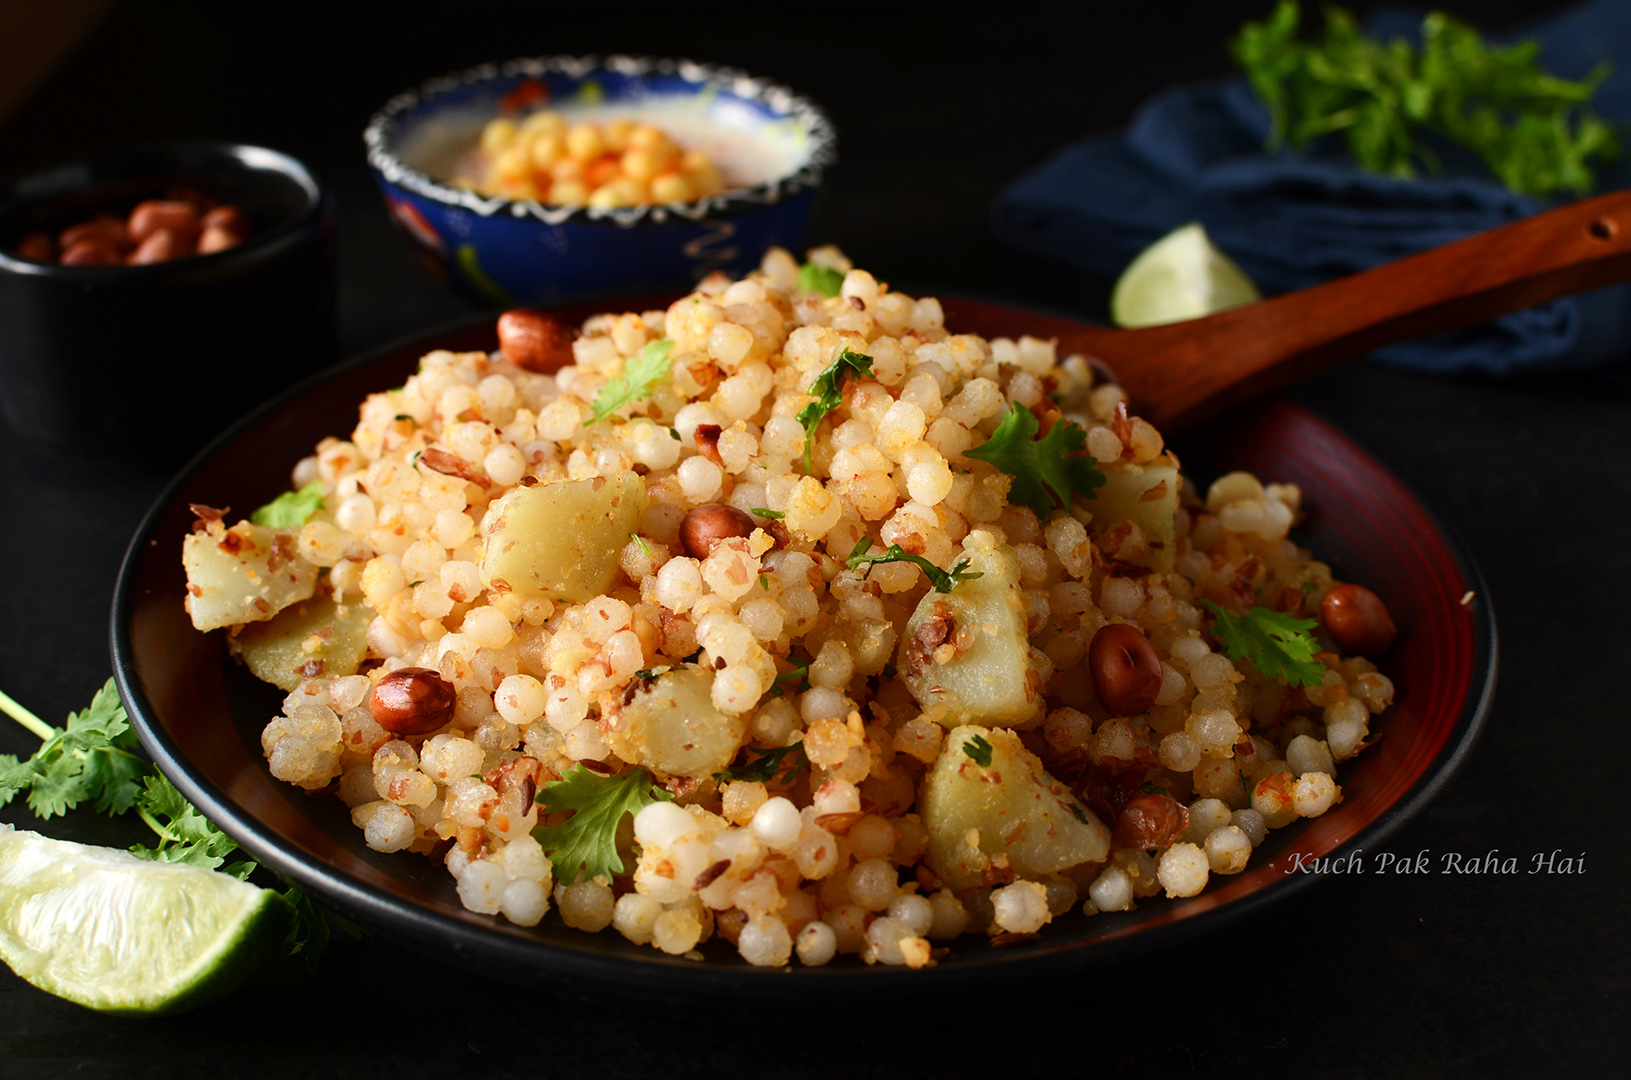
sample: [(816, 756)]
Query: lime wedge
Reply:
[(121, 934), (1180, 276)]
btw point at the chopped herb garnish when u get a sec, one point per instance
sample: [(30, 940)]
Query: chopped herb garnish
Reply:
[(979, 750), (889, 671), (1308, 587), (640, 374), (1535, 131), (1045, 470), (588, 839), (764, 768), (1277, 645), (674, 434), (828, 389), (96, 756), (764, 583), (402, 416), (292, 508), (1153, 789), (942, 580), (638, 539), (774, 515), (1077, 810), (825, 280)]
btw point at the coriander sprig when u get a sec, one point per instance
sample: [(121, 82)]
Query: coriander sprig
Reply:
[(1535, 131), (1278, 645), (640, 375), (828, 389), (588, 839), (96, 755), (942, 580), (1047, 470)]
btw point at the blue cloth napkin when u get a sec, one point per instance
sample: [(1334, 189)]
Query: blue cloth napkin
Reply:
[(1291, 220)]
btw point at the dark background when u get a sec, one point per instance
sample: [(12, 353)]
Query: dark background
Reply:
[(936, 107)]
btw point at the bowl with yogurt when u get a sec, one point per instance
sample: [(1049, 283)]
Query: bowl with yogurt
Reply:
[(544, 179)]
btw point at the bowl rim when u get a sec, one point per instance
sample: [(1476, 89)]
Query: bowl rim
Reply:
[(249, 157), (379, 136), (587, 970)]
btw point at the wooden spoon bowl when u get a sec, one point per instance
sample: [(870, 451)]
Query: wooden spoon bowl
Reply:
[(1183, 372)]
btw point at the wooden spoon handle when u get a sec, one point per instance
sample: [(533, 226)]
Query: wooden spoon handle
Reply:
[(1184, 372)]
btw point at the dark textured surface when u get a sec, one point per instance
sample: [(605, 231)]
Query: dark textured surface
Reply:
[(1365, 976)]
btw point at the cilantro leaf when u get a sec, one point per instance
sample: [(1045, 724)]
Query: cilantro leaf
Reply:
[(1536, 132), (979, 751), (1045, 470), (588, 839), (314, 928), (942, 580), (291, 509), (185, 835), (825, 280), (94, 756), (828, 389), (760, 511), (764, 768), (641, 373), (1277, 644)]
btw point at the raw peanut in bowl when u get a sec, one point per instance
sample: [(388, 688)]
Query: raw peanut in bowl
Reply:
[(790, 617)]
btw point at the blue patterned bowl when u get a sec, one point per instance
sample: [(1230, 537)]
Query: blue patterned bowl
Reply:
[(512, 251)]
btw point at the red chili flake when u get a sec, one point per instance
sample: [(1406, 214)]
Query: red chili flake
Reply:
[(206, 515)]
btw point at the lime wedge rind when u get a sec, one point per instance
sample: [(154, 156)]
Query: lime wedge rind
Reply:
[(1181, 276), (125, 935)]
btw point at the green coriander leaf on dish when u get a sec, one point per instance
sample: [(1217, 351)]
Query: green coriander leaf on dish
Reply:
[(1152, 789), (588, 839), (1047, 470), (765, 767), (291, 509), (314, 928), (641, 373), (828, 390), (979, 751), (942, 580), (638, 539), (823, 280), (1277, 645), (774, 515)]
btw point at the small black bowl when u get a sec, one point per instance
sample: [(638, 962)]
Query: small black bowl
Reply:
[(149, 362)]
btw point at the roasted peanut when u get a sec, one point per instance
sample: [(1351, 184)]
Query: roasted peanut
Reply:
[(216, 238), (229, 218), (1149, 821), (90, 253), (1358, 621), (535, 341), (104, 229), (160, 245), (173, 214), (412, 701), (703, 527), (1125, 670)]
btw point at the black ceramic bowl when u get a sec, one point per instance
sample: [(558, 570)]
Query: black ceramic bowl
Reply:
[(151, 361)]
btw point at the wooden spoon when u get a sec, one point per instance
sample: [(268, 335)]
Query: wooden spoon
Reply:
[(1184, 372)]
